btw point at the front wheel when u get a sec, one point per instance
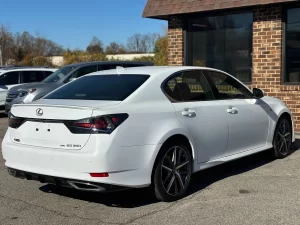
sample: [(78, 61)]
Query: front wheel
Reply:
[(172, 173), (282, 138)]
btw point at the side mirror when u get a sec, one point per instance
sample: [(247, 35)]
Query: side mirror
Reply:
[(258, 93)]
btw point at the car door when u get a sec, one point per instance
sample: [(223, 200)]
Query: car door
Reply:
[(7, 81), (248, 117), (199, 113)]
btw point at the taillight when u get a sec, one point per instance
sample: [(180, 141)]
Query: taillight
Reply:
[(103, 124), (14, 122)]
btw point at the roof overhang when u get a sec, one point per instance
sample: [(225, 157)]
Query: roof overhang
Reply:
[(163, 9)]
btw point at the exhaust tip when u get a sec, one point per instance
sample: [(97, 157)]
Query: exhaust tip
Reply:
[(85, 186)]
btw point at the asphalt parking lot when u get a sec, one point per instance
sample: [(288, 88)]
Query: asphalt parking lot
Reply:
[(253, 190)]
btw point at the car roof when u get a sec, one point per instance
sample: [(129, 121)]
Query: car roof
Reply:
[(6, 69), (153, 70), (109, 63)]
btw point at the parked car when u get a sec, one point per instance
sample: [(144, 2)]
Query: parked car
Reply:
[(116, 129), (13, 76), (31, 92)]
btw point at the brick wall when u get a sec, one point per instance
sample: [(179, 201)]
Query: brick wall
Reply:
[(267, 59), (175, 42), (267, 56)]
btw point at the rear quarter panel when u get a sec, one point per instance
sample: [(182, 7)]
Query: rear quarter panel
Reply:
[(149, 123)]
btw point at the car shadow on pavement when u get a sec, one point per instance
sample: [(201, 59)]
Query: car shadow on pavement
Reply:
[(2, 114), (133, 198)]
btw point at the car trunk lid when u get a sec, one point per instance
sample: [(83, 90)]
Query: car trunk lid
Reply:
[(44, 123)]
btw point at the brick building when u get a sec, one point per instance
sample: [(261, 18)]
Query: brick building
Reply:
[(258, 41)]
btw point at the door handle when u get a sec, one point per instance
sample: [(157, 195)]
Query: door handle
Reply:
[(188, 113), (232, 110)]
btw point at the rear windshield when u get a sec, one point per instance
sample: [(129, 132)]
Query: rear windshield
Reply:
[(101, 87)]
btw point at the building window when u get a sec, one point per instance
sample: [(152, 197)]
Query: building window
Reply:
[(223, 42), (292, 54)]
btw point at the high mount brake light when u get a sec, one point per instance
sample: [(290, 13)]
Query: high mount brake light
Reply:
[(14, 122), (102, 124)]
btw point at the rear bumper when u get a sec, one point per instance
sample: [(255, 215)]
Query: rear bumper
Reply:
[(70, 183), (127, 166)]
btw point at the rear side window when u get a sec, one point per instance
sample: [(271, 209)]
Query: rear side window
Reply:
[(108, 67), (9, 78), (133, 65), (47, 73), (32, 76), (189, 86), (104, 87), (84, 70)]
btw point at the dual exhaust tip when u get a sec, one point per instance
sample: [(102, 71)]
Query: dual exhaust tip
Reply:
[(85, 186)]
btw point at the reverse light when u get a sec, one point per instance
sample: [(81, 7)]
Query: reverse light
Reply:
[(102, 124), (99, 175), (14, 122)]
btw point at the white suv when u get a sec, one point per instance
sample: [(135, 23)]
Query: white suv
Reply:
[(13, 76)]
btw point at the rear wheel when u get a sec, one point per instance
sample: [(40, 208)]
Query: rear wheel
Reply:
[(282, 138), (172, 173)]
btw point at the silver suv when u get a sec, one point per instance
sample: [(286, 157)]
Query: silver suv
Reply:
[(31, 92), (13, 76)]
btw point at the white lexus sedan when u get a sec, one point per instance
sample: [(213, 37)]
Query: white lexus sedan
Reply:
[(136, 127)]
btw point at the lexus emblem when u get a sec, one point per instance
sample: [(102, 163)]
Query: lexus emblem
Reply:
[(39, 112)]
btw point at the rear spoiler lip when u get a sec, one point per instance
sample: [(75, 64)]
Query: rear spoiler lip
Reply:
[(55, 106)]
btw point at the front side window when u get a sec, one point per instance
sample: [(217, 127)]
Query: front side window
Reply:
[(292, 63), (225, 87), (59, 74), (188, 86), (32, 76), (104, 87), (223, 42), (9, 78)]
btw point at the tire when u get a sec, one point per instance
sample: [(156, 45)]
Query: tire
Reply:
[(170, 180), (282, 140)]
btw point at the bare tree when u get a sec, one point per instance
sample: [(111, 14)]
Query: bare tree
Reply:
[(95, 46), (139, 43), (44, 47), (115, 48), (6, 43), (151, 40), (27, 42), (135, 43), (112, 48), (16, 47)]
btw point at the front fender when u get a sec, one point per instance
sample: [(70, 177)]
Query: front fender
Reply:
[(279, 108), (286, 110)]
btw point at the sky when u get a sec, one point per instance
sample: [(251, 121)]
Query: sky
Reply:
[(72, 24)]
